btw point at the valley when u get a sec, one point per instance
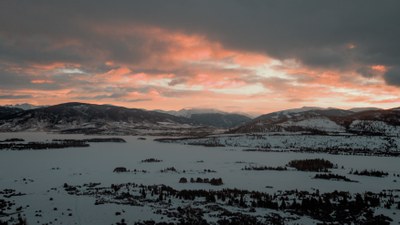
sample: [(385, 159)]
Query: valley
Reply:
[(79, 185), (79, 163)]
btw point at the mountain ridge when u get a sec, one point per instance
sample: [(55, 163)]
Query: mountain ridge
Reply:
[(211, 117), (25, 106), (330, 120), (76, 115), (102, 118)]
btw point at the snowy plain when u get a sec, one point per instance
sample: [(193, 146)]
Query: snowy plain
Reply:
[(41, 174)]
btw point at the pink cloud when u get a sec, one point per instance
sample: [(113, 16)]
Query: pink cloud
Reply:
[(176, 70)]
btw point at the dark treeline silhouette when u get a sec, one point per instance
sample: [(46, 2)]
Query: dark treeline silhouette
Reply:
[(117, 140), (212, 181), (41, 145), (316, 165), (151, 160), (330, 208), (13, 140), (8, 208), (15, 143), (120, 170), (278, 168), (168, 169), (330, 176), (371, 173), (333, 151), (19, 221)]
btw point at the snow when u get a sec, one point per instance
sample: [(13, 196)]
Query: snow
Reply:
[(302, 109), (108, 127), (96, 163), (372, 126), (24, 106), (324, 124), (298, 141), (188, 112)]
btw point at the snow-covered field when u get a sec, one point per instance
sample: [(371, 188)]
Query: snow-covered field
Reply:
[(298, 141), (41, 175)]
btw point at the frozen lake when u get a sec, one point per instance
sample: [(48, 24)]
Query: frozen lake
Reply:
[(36, 172)]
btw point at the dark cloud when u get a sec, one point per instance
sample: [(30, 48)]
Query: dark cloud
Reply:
[(89, 92), (19, 79), (316, 33), (177, 81), (10, 80), (116, 97), (15, 96), (101, 97), (135, 99), (366, 71), (39, 50), (337, 58), (392, 76), (171, 93)]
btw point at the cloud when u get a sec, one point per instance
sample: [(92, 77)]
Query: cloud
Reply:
[(136, 100), (177, 81), (314, 32), (15, 77), (15, 96), (115, 97), (392, 76), (170, 52)]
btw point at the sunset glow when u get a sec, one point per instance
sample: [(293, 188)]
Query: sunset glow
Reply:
[(152, 64)]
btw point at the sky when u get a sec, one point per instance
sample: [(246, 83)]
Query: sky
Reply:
[(238, 56)]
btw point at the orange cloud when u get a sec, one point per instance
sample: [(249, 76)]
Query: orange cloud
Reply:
[(379, 68), (42, 82), (179, 70)]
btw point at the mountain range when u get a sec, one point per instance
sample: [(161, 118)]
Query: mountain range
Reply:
[(75, 117), (91, 118), (211, 117), (330, 120)]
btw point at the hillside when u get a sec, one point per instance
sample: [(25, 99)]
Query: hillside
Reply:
[(78, 117), (320, 121), (220, 120), (82, 117), (211, 117), (7, 111)]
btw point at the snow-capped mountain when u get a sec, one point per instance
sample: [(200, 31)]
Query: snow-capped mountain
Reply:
[(188, 112), (330, 120), (302, 119), (82, 116), (8, 110), (25, 106), (89, 118)]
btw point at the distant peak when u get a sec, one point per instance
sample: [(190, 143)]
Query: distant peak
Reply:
[(201, 110), (25, 106), (302, 109)]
